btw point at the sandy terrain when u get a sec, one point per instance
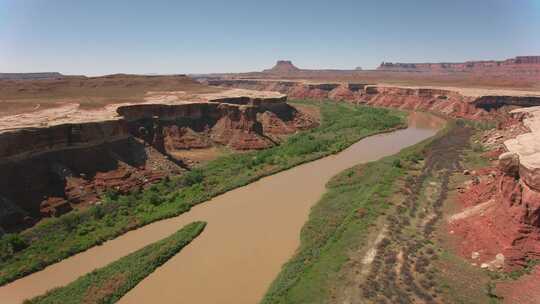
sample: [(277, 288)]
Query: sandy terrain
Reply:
[(75, 113), (19, 96)]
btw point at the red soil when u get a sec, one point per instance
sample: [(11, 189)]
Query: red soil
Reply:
[(525, 290), (510, 225)]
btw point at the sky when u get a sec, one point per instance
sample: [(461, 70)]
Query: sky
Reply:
[(202, 36)]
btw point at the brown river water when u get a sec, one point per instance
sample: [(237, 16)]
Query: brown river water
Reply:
[(252, 231)]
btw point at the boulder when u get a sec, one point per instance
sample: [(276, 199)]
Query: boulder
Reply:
[(509, 164)]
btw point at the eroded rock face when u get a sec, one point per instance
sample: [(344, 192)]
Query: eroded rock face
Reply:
[(54, 182), (445, 102), (49, 170), (509, 164), (283, 67), (528, 64), (21, 143), (527, 146), (241, 125), (504, 216), (474, 104)]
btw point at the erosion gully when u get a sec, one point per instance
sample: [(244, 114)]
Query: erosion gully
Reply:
[(251, 232)]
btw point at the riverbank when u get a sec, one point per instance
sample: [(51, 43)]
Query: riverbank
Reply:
[(58, 238), (109, 284), (370, 238)]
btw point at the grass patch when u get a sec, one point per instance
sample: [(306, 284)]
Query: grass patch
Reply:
[(57, 238), (110, 283)]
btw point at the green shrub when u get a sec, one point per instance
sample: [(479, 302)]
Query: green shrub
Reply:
[(97, 212), (15, 241), (152, 197), (11, 244), (193, 177), (70, 220)]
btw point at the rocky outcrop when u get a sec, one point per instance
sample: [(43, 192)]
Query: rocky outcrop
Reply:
[(503, 203), (73, 159), (242, 124), (495, 102), (509, 164), (474, 104), (54, 182), (527, 146), (23, 143), (283, 67), (529, 64), (449, 103), (501, 217)]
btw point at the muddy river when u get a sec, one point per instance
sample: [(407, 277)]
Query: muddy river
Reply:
[(251, 232)]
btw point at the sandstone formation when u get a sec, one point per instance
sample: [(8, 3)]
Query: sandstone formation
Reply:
[(283, 67), (503, 205), (58, 159), (528, 64), (502, 216), (520, 73), (453, 102), (527, 146)]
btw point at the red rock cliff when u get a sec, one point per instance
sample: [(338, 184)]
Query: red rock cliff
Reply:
[(47, 171), (444, 101)]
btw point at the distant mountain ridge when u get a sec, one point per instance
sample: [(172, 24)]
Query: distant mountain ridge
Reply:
[(32, 76), (519, 62)]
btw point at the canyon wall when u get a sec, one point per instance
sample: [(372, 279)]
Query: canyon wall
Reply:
[(49, 170), (452, 103)]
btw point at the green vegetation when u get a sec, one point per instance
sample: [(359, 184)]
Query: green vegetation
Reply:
[(528, 269), (339, 224), (110, 283), (55, 239)]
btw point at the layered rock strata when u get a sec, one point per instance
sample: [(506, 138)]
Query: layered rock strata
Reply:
[(55, 160), (502, 203), (527, 146), (452, 102), (529, 64)]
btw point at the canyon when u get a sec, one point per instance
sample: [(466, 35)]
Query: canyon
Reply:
[(241, 233), (86, 138), (77, 155)]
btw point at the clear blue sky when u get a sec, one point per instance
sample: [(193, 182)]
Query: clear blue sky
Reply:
[(100, 37)]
